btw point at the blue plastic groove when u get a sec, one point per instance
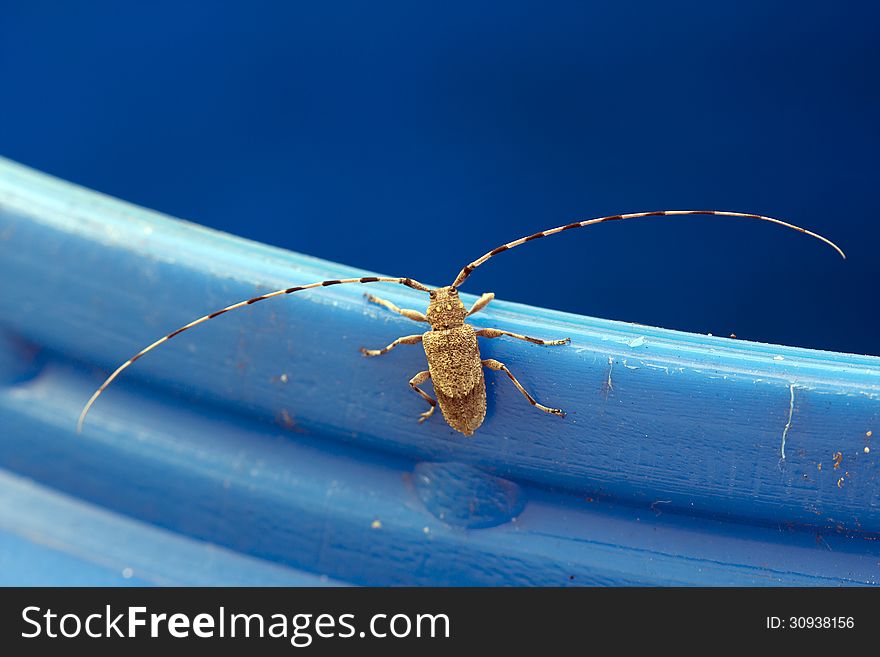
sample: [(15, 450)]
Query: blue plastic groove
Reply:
[(264, 438)]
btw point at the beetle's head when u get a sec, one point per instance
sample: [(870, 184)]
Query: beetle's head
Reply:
[(445, 310)]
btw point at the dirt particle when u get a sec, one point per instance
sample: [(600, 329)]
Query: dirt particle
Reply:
[(838, 459), (376, 524), (840, 483), (867, 450), (869, 434), (285, 419), (821, 541)]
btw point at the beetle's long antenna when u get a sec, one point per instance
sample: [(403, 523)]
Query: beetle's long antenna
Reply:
[(464, 273), (277, 293)]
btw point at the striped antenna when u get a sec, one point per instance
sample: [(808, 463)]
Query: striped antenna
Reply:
[(464, 273), (277, 293)]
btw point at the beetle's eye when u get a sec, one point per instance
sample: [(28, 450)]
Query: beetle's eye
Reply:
[(453, 291), (432, 294)]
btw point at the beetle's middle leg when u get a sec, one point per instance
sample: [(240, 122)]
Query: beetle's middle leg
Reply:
[(493, 364), (407, 339), (414, 383), (497, 333), (414, 315)]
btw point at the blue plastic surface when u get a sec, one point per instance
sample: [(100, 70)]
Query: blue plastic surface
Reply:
[(265, 439)]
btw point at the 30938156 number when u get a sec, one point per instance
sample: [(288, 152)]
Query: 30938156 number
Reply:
[(811, 623)]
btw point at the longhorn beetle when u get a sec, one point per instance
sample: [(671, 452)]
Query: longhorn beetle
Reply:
[(454, 363)]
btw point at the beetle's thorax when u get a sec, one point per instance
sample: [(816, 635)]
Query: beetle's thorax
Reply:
[(445, 310)]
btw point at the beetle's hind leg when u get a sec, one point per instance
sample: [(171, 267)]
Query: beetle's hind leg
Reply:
[(414, 315), (414, 383), (493, 364)]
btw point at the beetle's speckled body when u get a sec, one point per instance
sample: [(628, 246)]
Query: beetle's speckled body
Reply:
[(457, 372), (454, 362)]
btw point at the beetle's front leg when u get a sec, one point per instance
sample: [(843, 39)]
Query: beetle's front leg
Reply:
[(481, 303), (414, 315)]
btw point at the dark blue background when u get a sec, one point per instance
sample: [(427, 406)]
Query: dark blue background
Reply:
[(411, 138)]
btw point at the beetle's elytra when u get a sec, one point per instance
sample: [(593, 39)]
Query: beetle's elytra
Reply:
[(453, 354)]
